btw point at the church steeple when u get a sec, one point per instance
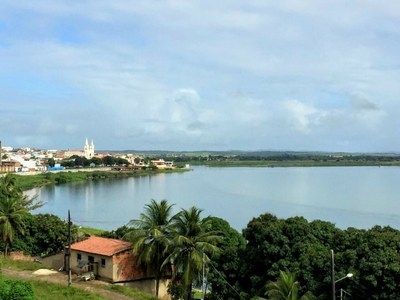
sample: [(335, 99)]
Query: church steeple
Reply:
[(89, 149)]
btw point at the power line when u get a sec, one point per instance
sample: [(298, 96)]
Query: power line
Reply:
[(222, 277)]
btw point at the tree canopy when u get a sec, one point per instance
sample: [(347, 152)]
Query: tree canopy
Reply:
[(151, 234), (14, 207)]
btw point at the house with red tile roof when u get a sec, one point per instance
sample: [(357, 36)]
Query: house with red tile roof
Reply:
[(109, 259), (112, 260)]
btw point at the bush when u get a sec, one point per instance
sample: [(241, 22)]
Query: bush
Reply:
[(176, 290), (16, 290)]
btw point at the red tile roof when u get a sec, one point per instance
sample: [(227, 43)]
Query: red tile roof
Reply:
[(101, 246)]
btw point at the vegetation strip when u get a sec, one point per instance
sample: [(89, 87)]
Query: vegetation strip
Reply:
[(27, 182)]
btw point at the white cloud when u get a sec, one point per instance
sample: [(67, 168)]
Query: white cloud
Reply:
[(302, 116), (148, 72)]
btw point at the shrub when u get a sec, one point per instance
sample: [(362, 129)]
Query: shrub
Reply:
[(15, 290)]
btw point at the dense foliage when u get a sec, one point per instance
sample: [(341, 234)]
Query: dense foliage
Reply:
[(151, 235), (14, 207), (248, 265), (303, 247), (44, 234), (81, 161), (286, 288), (183, 242), (224, 270), (15, 290)]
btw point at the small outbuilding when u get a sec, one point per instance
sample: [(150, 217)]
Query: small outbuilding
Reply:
[(112, 260), (109, 259)]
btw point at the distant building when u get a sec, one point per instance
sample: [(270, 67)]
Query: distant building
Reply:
[(9, 166), (69, 153), (162, 164), (88, 149)]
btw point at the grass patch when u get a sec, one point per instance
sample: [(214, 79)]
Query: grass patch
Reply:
[(19, 264), (91, 231), (130, 292), (45, 290), (48, 291)]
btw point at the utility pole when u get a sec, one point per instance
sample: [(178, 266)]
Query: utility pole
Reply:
[(333, 275), (69, 250), (343, 294)]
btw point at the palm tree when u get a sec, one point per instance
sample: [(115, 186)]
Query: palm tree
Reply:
[(286, 288), (14, 206), (151, 235), (11, 221), (192, 243)]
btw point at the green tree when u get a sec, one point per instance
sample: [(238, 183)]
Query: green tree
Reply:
[(14, 206), (267, 252), (224, 270), (192, 245), (81, 161), (151, 235), (108, 160), (97, 161), (121, 161), (11, 220), (376, 265), (285, 288), (49, 234), (287, 244), (51, 162)]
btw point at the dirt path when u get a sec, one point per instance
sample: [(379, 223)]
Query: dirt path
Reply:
[(61, 278)]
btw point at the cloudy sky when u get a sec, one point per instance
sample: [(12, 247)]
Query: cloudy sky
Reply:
[(201, 75)]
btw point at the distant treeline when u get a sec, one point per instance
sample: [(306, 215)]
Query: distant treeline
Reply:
[(282, 159)]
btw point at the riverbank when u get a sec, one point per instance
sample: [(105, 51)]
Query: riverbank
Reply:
[(297, 163), (27, 182)]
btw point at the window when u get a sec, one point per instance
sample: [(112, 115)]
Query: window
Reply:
[(79, 257), (103, 262)]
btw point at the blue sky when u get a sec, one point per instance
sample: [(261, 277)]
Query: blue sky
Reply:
[(201, 75)]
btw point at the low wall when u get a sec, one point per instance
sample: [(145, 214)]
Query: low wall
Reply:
[(19, 255), (55, 262)]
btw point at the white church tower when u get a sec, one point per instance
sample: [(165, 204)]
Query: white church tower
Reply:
[(88, 149)]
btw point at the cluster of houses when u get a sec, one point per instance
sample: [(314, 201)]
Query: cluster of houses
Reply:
[(106, 259), (27, 160)]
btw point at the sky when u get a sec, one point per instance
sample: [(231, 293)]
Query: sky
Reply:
[(201, 75)]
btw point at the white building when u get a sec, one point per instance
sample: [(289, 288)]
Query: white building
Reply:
[(89, 149)]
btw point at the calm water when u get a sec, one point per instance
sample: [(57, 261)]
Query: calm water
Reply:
[(353, 196)]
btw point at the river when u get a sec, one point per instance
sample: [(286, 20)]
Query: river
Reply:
[(358, 197)]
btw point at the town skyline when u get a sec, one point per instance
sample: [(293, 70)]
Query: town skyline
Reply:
[(201, 75)]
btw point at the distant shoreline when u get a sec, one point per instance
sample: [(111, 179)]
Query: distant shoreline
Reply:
[(297, 163), (31, 181)]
